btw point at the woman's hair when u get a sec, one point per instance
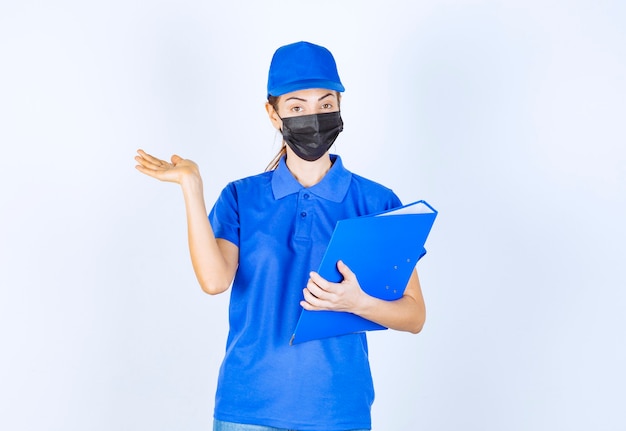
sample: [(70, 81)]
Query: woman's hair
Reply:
[(273, 100)]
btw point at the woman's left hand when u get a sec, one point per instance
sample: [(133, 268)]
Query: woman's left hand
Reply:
[(321, 294)]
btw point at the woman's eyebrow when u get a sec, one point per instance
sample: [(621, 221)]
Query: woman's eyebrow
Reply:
[(304, 100), (324, 96)]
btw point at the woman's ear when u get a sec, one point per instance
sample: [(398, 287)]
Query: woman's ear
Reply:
[(274, 118)]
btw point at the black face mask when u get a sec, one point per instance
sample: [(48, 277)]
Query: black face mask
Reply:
[(310, 136)]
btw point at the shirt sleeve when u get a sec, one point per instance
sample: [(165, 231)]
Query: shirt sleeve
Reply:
[(224, 217), (394, 201)]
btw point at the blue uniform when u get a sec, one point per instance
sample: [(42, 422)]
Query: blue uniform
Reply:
[(282, 230)]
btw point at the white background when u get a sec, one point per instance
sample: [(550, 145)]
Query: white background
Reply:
[(507, 116)]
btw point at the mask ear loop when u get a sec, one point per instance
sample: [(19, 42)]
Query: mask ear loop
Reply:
[(279, 154), (282, 120), (282, 151), (280, 130)]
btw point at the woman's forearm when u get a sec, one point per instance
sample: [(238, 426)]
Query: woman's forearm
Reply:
[(213, 264), (405, 314)]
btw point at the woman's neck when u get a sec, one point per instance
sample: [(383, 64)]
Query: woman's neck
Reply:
[(308, 173)]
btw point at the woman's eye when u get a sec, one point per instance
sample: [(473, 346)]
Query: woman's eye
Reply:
[(327, 106), (297, 109)]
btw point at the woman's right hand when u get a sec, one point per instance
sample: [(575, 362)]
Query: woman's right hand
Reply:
[(175, 171), (214, 261)]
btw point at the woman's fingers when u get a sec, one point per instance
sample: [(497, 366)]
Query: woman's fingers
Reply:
[(150, 161), (149, 171), (312, 302), (174, 172), (325, 295), (151, 166)]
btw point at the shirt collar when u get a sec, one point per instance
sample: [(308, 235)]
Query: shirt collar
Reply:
[(332, 187)]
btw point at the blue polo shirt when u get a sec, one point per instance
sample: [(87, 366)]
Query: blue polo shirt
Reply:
[(282, 230)]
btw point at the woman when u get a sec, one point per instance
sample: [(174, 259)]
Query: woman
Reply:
[(265, 235)]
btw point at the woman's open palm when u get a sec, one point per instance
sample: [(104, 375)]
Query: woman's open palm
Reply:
[(173, 171)]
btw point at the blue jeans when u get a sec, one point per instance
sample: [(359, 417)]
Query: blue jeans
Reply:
[(230, 426)]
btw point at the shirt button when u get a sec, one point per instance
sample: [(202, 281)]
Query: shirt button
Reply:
[(305, 196), (303, 214)]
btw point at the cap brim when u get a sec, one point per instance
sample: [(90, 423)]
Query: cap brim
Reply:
[(305, 85)]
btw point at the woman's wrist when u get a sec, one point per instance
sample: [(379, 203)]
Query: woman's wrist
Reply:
[(191, 182)]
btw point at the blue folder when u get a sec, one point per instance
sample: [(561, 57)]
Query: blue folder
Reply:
[(382, 250)]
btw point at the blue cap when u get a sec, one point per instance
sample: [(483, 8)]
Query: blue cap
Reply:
[(300, 66)]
